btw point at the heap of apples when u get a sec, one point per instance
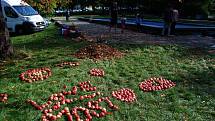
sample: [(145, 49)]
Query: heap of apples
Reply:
[(3, 97), (154, 84), (86, 86), (95, 104), (97, 72), (72, 64), (98, 52), (33, 75), (124, 94), (57, 100)]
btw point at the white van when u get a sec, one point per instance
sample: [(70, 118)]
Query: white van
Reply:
[(21, 17)]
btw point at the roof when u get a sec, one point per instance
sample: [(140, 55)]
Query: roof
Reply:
[(15, 2)]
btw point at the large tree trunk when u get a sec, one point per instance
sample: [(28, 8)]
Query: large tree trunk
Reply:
[(6, 49)]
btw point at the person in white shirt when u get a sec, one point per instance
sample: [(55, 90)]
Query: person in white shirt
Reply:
[(175, 19)]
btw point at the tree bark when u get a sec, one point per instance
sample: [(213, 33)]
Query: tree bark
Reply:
[(6, 49)]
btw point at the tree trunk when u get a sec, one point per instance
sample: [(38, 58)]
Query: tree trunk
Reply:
[(6, 49)]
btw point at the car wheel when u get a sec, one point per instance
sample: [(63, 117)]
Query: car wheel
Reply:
[(28, 27), (19, 30)]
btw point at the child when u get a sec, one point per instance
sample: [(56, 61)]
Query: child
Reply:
[(123, 19)]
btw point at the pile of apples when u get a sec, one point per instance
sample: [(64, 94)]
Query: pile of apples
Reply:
[(58, 100), (97, 72), (124, 94), (3, 97), (154, 84), (49, 116), (86, 86), (72, 64), (33, 75), (95, 104)]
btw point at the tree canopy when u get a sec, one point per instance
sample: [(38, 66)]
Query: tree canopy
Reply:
[(48, 6), (187, 7)]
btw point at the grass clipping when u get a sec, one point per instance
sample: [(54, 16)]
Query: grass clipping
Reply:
[(98, 52)]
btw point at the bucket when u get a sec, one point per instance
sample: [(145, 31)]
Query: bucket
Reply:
[(65, 32)]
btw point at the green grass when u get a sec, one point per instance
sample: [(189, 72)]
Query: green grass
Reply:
[(193, 98)]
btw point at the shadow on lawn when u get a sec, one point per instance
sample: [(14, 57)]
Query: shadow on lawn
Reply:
[(200, 78), (50, 38), (201, 81), (51, 43)]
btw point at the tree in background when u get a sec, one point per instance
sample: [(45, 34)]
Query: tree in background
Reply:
[(156, 7), (45, 7), (211, 7), (66, 4), (188, 8), (6, 49)]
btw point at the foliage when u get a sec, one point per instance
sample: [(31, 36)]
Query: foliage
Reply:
[(212, 6), (195, 7), (48, 6), (187, 7), (65, 3), (43, 6)]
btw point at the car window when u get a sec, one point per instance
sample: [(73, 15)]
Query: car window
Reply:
[(25, 10), (10, 12)]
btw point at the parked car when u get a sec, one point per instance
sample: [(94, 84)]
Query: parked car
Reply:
[(21, 17)]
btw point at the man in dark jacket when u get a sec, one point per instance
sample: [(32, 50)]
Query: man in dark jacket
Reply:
[(168, 19), (114, 15), (175, 19)]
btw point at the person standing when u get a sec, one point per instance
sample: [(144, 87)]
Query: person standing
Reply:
[(138, 22), (67, 15), (123, 20), (114, 16), (168, 19), (175, 19)]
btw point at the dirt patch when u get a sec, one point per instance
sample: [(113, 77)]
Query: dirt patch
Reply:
[(98, 52)]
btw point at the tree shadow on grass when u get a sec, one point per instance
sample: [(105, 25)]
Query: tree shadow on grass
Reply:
[(50, 38), (196, 66), (15, 109), (201, 83)]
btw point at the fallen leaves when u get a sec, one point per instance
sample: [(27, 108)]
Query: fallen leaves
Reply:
[(98, 52)]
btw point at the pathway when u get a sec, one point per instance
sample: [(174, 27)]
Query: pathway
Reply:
[(132, 37)]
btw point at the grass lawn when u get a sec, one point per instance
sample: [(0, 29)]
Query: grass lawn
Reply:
[(193, 71)]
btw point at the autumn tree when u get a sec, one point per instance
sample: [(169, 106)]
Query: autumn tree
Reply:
[(6, 49), (66, 3), (43, 6), (212, 7)]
